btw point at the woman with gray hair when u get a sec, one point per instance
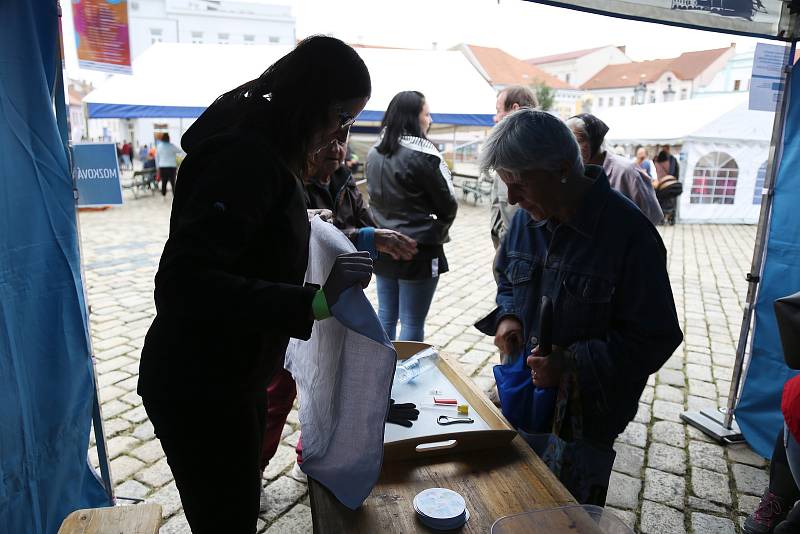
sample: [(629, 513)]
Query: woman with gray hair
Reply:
[(580, 243), (623, 174)]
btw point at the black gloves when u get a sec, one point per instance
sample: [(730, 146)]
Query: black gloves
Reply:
[(348, 270), (402, 414)]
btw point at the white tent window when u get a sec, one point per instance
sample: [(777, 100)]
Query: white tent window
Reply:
[(760, 178), (714, 179)]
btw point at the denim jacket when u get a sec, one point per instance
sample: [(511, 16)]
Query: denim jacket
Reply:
[(606, 274)]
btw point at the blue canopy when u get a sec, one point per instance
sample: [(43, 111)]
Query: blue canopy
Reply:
[(46, 379)]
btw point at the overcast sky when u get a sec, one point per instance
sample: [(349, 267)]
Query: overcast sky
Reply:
[(524, 29)]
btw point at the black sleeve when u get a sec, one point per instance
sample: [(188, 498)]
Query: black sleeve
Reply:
[(432, 176), (644, 329), (210, 230)]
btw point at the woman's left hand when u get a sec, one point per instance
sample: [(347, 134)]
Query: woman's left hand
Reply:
[(546, 370)]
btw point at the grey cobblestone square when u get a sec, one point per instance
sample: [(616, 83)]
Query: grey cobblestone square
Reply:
[(668, 478)]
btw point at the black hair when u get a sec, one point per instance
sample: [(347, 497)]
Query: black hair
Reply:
[(291, 101), (401, 118), (662, 156), (165, 137)]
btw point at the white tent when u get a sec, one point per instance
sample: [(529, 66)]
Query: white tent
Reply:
[(174, 80), (724, 150)]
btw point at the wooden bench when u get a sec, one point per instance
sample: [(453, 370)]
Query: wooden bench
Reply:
[(136, 519), (141, 182)]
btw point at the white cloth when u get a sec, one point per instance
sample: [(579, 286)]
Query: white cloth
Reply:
[(344, 378)]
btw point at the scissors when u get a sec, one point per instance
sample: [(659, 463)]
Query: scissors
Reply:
[(448, 420)]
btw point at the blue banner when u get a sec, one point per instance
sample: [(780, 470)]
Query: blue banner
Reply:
[(95, 168), (759, 410), (46, 381)]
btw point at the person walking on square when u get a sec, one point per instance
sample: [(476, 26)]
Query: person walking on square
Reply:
[(167, 163), (411, 192)]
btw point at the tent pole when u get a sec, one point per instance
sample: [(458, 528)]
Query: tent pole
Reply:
[(754, 276), (62, 118), (720, 424)]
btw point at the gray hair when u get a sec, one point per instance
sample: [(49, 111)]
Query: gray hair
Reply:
[(528, 140)]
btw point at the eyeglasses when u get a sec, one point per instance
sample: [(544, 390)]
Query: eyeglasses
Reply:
[(346, 119)]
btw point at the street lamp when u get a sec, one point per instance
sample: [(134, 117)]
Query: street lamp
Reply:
[(639, 92)]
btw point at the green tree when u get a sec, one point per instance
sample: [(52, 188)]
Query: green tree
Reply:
[(545, 96)]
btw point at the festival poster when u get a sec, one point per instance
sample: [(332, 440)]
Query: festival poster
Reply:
[(101, 35)]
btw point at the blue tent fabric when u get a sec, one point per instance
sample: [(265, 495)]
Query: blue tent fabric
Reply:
[(98, 110), (46, 381), (758, 412)]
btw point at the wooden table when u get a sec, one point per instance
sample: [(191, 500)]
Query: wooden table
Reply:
[(494, 482)]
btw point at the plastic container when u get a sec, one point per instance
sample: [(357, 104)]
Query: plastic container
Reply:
[(575, 519), (409, 369)]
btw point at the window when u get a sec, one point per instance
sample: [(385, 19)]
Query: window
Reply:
[(737, 85), (249, 39), (622, 101), (760, 179), (714, 179), (156, 35), (600, 102), (567, 77), (652, 98), (197, 37), (274, 39), (610, 101), (223, 38), (134, 6), (684, 93)]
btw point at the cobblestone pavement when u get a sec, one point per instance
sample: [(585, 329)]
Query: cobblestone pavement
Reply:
[(667, 478)]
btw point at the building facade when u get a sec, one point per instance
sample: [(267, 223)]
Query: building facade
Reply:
[(208, 21), (575, 68), (501, 70), (657, 80)]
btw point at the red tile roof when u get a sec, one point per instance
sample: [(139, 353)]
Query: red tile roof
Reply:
[(562, 57), (687, 66), (504, 69)]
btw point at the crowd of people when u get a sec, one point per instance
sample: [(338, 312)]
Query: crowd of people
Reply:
[(571, 221), (161, 157)]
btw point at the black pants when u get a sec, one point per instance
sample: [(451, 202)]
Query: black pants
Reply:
[(213, 447), (167, 174)]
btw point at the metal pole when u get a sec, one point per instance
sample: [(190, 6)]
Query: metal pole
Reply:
[(62, 118), (754, 276)]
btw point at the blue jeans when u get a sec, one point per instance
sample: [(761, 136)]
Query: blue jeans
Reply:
[(408, 300)]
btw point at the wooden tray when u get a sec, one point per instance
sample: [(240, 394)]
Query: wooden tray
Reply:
[(451, 440)]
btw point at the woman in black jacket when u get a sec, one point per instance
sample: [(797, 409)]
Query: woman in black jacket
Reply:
[(229, 289), (411, 192)]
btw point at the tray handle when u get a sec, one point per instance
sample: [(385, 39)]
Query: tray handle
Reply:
[(436, 446)]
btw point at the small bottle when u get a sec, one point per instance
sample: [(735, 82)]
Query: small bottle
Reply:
[(408, 370)]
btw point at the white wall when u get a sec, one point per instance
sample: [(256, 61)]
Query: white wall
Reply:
[(738, 68), (187, 21), (655, 90)]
